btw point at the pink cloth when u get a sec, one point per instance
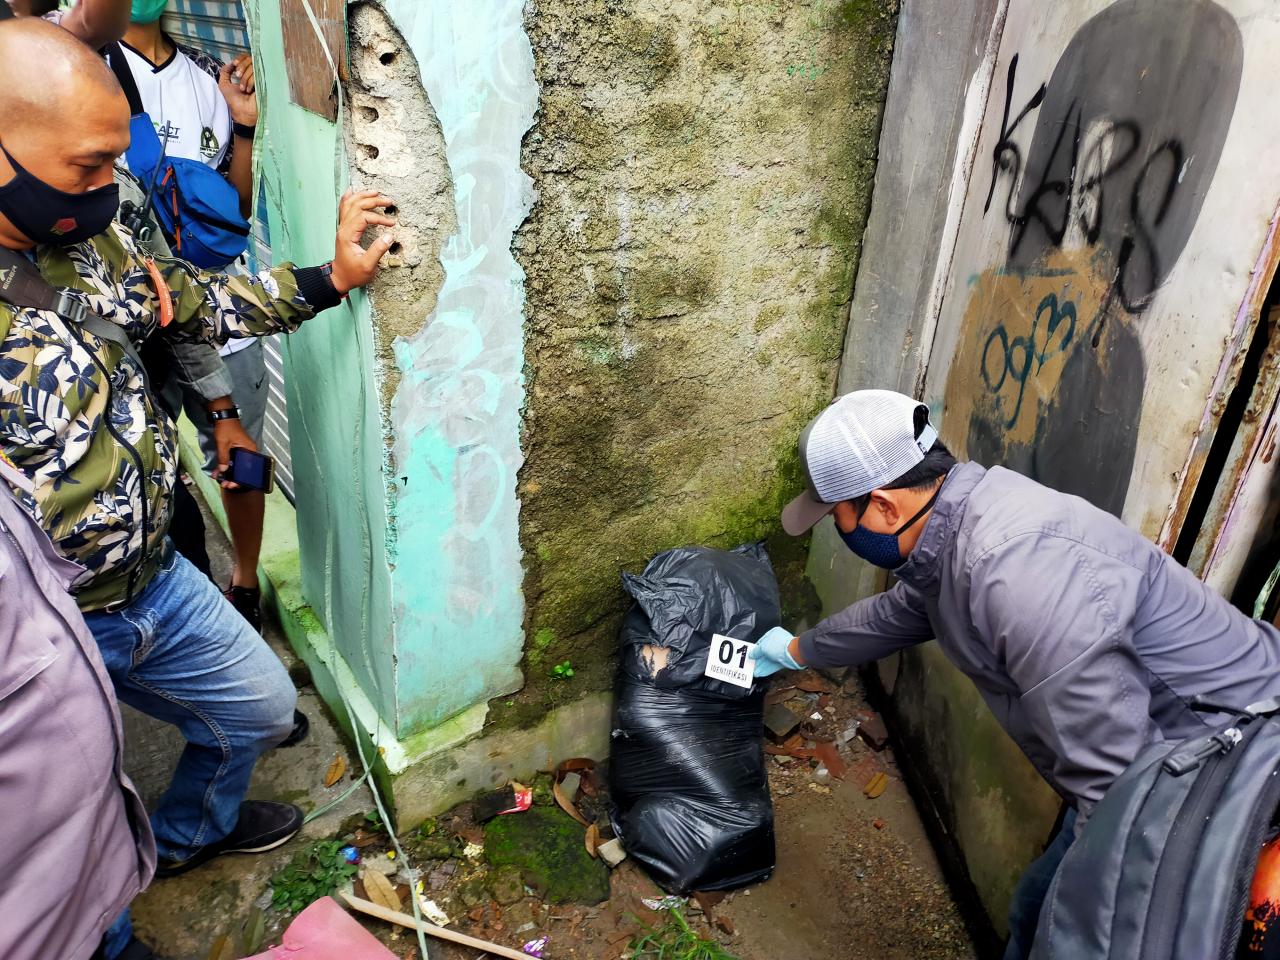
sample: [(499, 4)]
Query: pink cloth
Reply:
[(324, 931)]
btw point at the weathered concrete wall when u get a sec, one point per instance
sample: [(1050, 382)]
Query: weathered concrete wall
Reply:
[(703, 176)]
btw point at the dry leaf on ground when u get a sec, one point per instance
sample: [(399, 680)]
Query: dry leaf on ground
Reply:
[(335, 771)]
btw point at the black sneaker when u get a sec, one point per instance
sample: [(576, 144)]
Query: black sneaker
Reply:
[(248, 603), (262, 826), (301, 727)]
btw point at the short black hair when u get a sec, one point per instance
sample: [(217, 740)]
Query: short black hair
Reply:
[(936, 463)]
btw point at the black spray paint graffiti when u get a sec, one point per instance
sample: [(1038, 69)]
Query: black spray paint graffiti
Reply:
[(1127, 135), (1052, 202)]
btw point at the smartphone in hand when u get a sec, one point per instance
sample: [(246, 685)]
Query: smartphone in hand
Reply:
[(251, 469)]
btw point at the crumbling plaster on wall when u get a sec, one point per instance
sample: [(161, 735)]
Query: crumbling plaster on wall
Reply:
[(394, 144), (703, 178), (454, 433)]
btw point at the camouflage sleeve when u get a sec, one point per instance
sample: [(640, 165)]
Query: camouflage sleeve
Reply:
[(217, 307)]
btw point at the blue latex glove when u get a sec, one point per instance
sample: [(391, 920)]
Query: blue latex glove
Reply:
[(771, 653)]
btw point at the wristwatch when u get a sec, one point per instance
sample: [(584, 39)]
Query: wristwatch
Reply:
[(243, 130), (326, 271), (230, 413)]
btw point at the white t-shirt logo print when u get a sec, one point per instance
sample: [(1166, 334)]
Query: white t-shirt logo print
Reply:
[(189, 112)]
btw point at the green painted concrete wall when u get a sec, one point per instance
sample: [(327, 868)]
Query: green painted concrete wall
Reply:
[(335, 440)]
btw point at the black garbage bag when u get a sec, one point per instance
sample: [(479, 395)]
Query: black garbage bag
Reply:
[(687, 776)]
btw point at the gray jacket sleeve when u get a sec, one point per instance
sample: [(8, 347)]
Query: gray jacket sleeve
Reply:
[(198, 368), (1059, 615), (868, 630)]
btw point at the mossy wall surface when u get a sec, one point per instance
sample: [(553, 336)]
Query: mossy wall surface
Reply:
[(703, 175)]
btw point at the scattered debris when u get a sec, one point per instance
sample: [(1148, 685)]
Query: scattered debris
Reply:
[(811, 682), (831, 759), (663, 903), (350, 853), (611, 852), (876, 785), (442, 933), (821, 775), (847, 734), (873, 731), (780, 722), (381, 863), (472, 851), (534, 948), (513, 798), (380, 890), (431, 910), (878, 823), (336, 769), (706, 899)]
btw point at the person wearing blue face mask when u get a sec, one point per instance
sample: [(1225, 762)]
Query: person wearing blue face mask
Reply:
[(1086, 640)]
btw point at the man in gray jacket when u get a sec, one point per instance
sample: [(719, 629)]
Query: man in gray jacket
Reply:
[(77, 841), (1085, 639)]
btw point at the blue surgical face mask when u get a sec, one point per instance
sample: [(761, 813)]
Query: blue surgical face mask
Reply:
[(883, 549)]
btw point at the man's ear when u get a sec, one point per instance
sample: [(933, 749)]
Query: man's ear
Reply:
[(884, 507)]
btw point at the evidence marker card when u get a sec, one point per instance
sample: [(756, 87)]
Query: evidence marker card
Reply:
[(730, 660)]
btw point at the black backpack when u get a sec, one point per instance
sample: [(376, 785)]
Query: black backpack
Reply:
[(1162, 869)]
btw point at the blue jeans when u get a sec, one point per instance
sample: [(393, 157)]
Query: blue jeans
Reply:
[(180, 652), (1032, 888)]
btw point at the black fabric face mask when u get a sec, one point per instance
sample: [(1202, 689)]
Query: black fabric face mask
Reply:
[(49, 215)]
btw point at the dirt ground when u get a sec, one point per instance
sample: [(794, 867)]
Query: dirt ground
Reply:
[(856, 877)]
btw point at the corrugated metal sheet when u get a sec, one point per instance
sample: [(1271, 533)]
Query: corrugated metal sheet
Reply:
[(218, 27)]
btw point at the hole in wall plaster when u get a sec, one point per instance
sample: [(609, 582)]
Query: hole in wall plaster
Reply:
[(395, 248), (387, 58), (368, 114), (391, 210), (368, 151)]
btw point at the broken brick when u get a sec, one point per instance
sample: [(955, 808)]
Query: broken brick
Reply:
[(780, 723), (831, 759), (812, 683), (873, 731), (878, 823), (708, 899)]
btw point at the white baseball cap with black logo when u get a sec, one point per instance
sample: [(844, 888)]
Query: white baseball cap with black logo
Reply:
[(863, 441)]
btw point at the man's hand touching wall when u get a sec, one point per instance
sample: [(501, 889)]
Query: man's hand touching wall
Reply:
[(353, 265)]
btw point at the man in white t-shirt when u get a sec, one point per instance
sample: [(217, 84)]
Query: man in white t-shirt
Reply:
[(207, 111)]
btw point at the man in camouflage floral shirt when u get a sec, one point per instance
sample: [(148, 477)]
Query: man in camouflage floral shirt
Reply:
[(99, 459)]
